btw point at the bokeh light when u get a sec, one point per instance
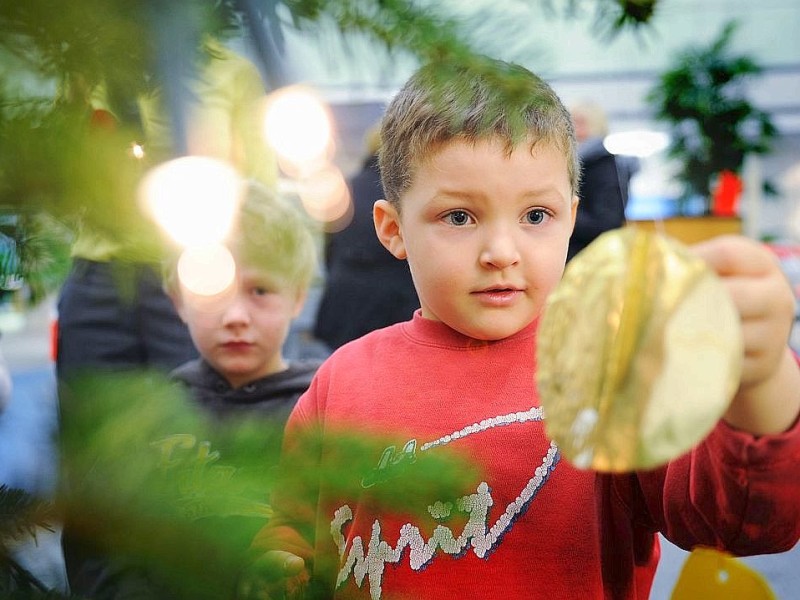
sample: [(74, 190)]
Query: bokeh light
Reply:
[(207, 270), (324, 194), (298, 126), (193, 198), (641, 143), (137, 150)]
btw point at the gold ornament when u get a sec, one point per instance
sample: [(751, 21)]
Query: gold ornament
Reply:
[(639, 353)]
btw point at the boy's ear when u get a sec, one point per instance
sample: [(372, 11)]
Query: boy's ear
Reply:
[(574, 209), (299, 303), (387, 226)]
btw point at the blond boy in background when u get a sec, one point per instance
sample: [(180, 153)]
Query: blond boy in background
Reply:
[(241, 333)]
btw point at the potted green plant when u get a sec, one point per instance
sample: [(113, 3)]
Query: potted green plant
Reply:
[(713, 124)]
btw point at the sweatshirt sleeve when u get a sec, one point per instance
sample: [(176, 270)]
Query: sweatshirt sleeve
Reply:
[(735, 492)]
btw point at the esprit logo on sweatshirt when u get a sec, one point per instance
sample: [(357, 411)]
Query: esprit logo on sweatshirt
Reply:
[(478, 535)]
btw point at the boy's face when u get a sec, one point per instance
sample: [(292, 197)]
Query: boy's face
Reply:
[(485, 234), (241, 332)]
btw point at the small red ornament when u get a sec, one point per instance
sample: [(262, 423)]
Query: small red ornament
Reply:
[(726, 194)]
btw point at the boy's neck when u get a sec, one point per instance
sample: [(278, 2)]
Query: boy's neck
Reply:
[(436, 326), (238, 383)]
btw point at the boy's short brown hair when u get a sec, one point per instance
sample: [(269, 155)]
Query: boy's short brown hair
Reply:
[(489, 99)]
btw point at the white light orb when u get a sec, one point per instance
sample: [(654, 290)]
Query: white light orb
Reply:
[(137, 150), (207, 270), (324, 194), (298, 126), (193, 198)]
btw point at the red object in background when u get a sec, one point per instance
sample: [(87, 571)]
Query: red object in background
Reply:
[(54, 339), (725, 198), (103, 119)]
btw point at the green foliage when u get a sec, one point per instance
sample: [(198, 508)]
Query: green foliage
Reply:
[(171, 498), (614, 16), (153, 490), (60, 163), (713, 124), (34, 254), (100, 40), (167, 492), (20, 515), (55, 54)]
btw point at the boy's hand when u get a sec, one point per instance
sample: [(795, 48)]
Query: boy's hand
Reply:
[(761, 294), (272, 576), (768, 399)]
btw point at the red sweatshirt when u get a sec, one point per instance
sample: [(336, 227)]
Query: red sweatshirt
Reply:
[(522, 523)]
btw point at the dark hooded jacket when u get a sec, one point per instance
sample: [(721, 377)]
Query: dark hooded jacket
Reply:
[(272, 396)]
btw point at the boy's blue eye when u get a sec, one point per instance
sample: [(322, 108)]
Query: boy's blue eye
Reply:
[(458, 217), (535, 216)]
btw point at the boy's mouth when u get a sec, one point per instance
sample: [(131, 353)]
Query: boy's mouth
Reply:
[(236, 345), (498, 295), (498, 289)]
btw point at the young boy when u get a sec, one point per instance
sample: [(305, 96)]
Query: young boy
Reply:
[(240, 336), (480, 200)]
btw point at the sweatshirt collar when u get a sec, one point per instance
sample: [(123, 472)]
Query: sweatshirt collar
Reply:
[(436, 333)]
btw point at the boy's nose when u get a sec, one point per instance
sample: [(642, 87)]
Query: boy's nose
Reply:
[(235, 314), (500, 251)]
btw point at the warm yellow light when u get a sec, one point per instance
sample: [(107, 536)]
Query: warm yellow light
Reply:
[(137, 150), (194, 199), (324, 194), (298, 126), (206, 270)]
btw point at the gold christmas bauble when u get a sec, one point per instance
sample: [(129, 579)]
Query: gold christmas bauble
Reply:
[(639, 353)]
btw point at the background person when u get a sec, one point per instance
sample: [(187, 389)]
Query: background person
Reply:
[(242, 371), (603, 187), (242, 381), (365, 288)]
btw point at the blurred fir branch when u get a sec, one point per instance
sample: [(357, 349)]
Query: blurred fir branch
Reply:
[(166, 490), (61, 160), (21, 513), (17, 583), (34, 254), (99, 40), (611, 17), (62, 165), (616, 15)]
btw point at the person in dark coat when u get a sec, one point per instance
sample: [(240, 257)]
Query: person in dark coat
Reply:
[(603, 189), (366, 288)]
